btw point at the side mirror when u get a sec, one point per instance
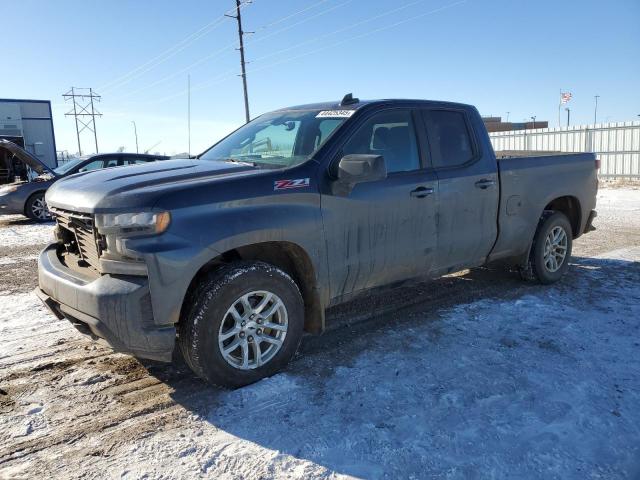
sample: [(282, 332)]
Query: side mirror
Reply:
[(360, 168)]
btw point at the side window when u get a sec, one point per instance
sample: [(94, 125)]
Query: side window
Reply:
[(449, 138), (135, 160), (96, 164), (390, 134), (325, 128), (110, 162)]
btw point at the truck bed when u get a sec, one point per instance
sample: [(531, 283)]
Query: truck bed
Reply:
[(529, 183), (500, 154)]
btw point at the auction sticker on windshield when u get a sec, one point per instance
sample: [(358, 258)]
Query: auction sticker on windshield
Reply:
[(335, 114), (287, 184)]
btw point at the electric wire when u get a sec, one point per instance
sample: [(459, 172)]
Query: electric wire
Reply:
[(233, 45), (222, 78), (165, 55)]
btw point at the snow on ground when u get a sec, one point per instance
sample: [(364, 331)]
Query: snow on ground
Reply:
[(17, 259), (540, 382), (17, 231), (22, 310), (546, 386)]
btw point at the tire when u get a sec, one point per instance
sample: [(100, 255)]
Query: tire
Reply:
[(553, 237), (36, 208), (208, 318)]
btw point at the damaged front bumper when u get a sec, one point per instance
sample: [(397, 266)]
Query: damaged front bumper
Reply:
[(116, 308)]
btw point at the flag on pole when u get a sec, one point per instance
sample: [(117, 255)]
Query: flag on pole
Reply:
[(565, 97)]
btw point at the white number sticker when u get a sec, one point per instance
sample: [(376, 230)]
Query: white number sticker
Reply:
[(335, 114)]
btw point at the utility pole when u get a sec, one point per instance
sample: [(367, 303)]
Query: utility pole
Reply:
[(560, 103), (508, 117), (135, 131), (568, 115), (241, 34), (83, 106), (534, 121), (595, 110)]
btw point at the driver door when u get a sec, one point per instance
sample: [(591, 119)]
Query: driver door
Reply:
[(383, 231)]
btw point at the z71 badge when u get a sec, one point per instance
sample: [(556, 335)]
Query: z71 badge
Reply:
[(287, 184)]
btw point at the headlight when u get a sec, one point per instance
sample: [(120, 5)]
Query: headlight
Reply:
[(141, 223)]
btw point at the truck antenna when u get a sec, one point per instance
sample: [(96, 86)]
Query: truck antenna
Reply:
[(349, 100)]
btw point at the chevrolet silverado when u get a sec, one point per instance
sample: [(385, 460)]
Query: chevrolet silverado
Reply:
[(230, 256)]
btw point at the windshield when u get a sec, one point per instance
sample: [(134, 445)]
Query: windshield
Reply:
[(66, 167), (278, 139)]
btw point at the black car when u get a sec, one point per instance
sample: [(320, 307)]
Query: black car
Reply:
[(27, 197)]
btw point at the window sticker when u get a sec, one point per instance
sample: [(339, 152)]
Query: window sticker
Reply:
[(335, 114)]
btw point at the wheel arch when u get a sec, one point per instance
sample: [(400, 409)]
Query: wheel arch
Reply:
[(289, 257), (569, 206), (566, 204)]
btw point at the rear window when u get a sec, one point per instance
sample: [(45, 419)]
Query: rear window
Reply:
[(449, 138)]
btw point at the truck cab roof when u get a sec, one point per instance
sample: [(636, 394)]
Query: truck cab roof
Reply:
[(358, 104)]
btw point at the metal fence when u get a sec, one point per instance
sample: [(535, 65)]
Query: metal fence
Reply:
[(617, 145)]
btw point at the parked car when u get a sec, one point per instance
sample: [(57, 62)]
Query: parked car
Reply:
[(27, 197), (232, 256)]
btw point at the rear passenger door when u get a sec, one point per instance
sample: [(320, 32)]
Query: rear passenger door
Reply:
[(382, 231), (468, 191)]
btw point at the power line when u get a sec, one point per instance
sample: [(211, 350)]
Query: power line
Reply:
[(177, 72), (287, 17), (340, 30), (304, 20), (166, 55), (232, 45), (356, 37), (222, 78), (82, 102)]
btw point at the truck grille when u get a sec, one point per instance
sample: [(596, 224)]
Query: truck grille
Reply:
[(79, 227)]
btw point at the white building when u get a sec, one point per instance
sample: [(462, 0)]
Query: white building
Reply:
[(29, 124)]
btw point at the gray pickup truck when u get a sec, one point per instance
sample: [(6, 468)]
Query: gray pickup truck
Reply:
[(234, 254)]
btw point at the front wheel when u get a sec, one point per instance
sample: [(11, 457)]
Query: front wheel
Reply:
[(551, 248), (244, 322), (36, 207)]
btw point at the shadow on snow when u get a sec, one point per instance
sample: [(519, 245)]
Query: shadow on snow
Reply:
[(460, 376)]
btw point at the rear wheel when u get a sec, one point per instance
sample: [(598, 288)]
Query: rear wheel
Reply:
[(36, 207), (551, 248), (243, 322)]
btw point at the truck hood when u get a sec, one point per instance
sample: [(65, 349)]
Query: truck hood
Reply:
[(137, 186), (26, 158)]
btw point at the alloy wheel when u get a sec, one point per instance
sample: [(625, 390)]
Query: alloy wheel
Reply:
[(39, 209), (555, 249), (253, 330)]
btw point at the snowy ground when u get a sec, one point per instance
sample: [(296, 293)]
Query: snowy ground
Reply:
[(472, 376)]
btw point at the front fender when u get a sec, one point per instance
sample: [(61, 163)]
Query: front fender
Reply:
[(198, 235)]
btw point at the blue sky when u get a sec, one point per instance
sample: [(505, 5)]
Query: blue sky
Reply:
[(502, 56)]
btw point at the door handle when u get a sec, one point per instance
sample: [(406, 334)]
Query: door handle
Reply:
[(485, 183), (421, 192)]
